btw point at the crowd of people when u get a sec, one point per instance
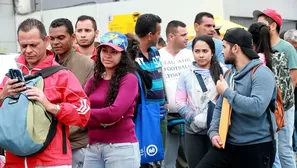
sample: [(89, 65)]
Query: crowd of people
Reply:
[(97, 96)]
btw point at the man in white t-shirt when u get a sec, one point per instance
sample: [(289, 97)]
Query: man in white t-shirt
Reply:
[(175, 59)]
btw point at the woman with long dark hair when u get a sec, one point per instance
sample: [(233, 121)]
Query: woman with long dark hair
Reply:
[(196, 96), (261, 41), (112, 92)]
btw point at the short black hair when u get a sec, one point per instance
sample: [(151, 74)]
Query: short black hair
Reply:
[(161, 42), (199, 16), (147, 23), (270, 21), (30, 24), (173, 25), (282, 34), (85, 17), (218, 31), (63, 22)]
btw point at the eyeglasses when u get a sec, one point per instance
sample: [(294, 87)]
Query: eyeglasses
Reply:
[(116, 40)]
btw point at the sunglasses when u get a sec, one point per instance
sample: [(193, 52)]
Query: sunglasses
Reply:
[(116, 40)]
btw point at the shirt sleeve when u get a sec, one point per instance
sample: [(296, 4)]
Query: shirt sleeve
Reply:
[(181, 100), (219, 49), (75, 105), (292, 57), (88, 84), (263, 86), (125, 100)]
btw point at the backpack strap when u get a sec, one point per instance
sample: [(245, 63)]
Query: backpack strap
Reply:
[(227, 72), (254, 70), (46, 72), (201, 82)]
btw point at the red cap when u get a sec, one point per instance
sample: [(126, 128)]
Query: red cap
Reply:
[(273, 14)]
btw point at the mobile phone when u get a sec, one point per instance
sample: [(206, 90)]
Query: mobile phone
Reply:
[(16, 74)]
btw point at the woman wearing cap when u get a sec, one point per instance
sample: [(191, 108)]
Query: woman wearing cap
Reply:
[(112, 91)]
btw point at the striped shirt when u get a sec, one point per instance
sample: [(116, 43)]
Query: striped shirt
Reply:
[(156, 94)]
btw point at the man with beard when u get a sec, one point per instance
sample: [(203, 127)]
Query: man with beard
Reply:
[(86, 33), (61, 39), (250, 89)]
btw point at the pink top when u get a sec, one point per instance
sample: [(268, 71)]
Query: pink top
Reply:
[(262, 57), (121, 112)]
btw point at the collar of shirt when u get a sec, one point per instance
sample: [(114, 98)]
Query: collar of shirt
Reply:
[(94, 54)]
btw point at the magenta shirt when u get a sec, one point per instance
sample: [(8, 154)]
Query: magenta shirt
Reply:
[(121, 110)]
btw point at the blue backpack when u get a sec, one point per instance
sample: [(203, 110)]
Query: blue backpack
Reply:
[(25, 127)]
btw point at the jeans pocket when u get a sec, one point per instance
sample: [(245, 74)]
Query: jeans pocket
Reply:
[(123, 145)]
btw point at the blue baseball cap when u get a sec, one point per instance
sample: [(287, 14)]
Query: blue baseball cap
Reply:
[(115, 40)]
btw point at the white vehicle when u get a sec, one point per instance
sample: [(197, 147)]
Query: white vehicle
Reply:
[(7, 61)]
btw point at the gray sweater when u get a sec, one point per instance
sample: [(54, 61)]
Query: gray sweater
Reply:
[(249, 100)]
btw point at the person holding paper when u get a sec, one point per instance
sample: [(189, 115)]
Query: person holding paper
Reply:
[(251, 92)]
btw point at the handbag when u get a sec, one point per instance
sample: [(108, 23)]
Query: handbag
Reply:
[(175, 124), (147, 128)]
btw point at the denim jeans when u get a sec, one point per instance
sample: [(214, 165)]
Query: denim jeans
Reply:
[(123, 155), (285, 148), (173, 143), (78, 156)]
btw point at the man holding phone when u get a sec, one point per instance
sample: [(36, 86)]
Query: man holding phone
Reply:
[(62, 96)]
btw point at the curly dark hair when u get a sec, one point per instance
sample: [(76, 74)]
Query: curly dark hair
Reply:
[(133, 44), (126, 65)]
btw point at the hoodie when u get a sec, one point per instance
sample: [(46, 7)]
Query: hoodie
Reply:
[(190, 99), (249, 99)]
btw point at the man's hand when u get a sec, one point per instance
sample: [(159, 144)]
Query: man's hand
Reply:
[(11, 88), (216, 141), (221, 85), (36, 94)]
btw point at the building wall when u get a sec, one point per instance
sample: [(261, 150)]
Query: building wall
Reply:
[(287, 8), (7, 28), (167, 9)]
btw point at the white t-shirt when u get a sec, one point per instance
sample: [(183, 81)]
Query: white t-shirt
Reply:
[(172, 67)]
